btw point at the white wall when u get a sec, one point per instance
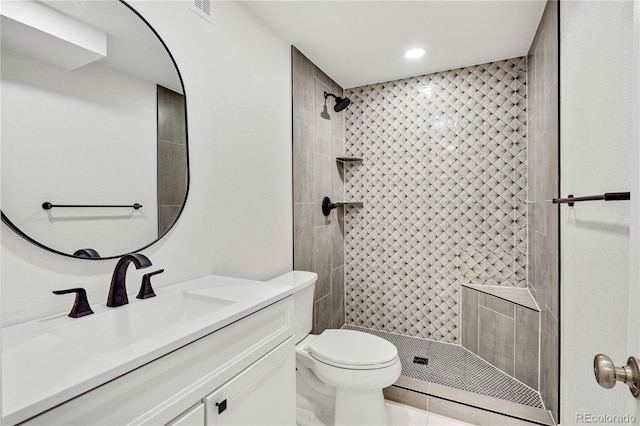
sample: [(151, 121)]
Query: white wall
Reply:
[(66, 134), (237, 220), (595, 121)]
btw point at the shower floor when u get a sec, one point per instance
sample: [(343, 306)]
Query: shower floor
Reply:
[(456, 367)]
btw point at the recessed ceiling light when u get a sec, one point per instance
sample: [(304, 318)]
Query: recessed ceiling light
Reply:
[(414, 53)]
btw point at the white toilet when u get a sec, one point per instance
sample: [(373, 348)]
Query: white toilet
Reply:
[(339, 373)]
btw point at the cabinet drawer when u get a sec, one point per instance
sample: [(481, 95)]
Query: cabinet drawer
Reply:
[(263, 394), (193, 417), (160, 391)]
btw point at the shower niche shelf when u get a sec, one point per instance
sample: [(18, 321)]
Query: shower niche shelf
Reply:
[(327, 205), (345, 160)]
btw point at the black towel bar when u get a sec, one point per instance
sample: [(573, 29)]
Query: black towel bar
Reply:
[(48, 206), (607, 196)]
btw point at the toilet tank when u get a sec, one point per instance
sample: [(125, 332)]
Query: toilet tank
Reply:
[(304, 284)]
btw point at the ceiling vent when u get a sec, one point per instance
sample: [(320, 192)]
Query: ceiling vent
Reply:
[(202, 8)]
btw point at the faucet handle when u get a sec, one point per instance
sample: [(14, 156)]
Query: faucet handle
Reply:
[(146, 291), (81, 305)]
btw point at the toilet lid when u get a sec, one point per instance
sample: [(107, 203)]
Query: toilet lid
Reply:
[(348, 347)]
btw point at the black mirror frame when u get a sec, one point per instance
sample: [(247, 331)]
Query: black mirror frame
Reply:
[(17, 230)]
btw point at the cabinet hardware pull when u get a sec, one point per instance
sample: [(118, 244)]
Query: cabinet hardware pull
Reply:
[(221, 406)]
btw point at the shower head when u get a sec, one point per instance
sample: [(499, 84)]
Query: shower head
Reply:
[(341, 103)]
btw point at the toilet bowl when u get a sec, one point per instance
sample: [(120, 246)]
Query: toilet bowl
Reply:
[(339, 373), (356, 366)]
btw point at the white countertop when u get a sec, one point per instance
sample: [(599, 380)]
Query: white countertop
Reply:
[(40, 369)]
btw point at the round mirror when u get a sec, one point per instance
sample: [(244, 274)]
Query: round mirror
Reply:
[(94, 134)]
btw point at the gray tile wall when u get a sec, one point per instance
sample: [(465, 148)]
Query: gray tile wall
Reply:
[(543, 224), (502, 333), (318, 138), (172, 157), (444, 186)]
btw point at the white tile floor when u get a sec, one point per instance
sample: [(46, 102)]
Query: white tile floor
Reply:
[(404, 415)]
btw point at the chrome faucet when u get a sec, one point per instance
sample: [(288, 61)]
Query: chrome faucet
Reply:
[(118, 290)]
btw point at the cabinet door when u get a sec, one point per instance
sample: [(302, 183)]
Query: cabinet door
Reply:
[(263, 394), (193, 417)]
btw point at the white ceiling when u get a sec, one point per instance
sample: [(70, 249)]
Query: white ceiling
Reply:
[(363, 42), (132, 47)]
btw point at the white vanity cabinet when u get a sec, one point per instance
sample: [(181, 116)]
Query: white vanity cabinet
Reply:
[(193, 417), (255, 396), (248, 365)]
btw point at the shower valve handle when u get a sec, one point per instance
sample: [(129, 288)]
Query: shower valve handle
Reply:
[(327, 206), (607, 374)]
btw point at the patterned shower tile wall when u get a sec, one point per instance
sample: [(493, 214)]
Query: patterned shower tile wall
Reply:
[(444, 186)]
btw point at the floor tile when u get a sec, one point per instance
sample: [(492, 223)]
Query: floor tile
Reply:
[(438, 420), (404, 415)]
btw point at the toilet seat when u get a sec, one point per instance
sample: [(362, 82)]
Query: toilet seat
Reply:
[(352, 350)]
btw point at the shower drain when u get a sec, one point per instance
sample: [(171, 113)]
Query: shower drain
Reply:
[(420, 360)]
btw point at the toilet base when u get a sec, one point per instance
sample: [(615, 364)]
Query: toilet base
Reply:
[(310, 418), (357, 407), (314, 400)]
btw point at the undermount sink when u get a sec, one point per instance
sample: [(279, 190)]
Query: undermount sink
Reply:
[(56, 359), (122, 326)]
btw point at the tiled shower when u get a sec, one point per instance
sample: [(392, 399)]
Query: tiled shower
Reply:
[(447, 204), (444, 186)]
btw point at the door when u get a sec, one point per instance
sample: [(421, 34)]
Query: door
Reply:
[(600, 254), (633, 343)]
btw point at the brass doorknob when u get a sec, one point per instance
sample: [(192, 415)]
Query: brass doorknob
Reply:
[(607, 374)]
